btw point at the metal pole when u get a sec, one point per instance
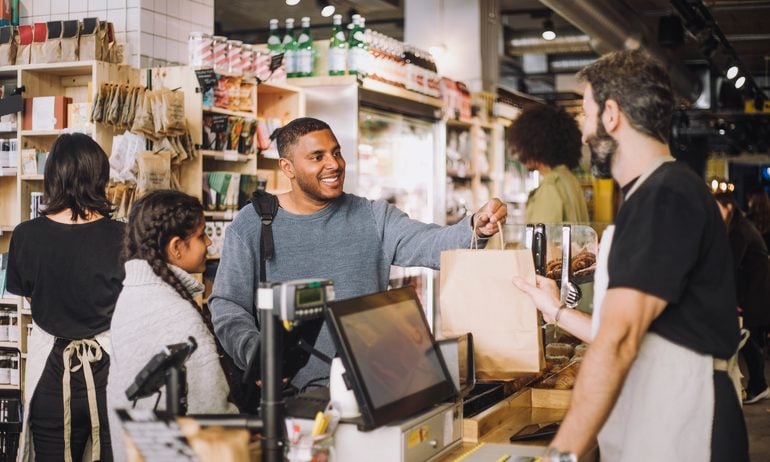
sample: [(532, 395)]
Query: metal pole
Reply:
[(272, 407), (176, 391)]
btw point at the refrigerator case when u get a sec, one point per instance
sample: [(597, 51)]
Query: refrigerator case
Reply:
[(394, 149)]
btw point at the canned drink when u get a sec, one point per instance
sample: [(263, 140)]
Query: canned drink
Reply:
[(219, 50), (200, 50), (234, 66)]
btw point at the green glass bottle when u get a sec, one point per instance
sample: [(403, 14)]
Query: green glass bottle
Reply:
[(357, 52), (274, 40), (338, 48), (305, 52), (290, 49)]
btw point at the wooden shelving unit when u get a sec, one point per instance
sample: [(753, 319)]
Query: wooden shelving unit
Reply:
[(79, 81)]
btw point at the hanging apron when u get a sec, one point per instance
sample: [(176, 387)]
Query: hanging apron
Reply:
[(666, 406)]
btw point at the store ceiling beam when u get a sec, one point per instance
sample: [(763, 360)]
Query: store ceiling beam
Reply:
[(618, 27)]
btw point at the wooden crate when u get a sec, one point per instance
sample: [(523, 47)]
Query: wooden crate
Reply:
[(529, 406)]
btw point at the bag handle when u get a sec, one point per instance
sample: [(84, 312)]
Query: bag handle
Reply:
[(475, 237)]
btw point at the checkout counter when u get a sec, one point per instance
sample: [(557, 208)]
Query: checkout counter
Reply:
[(396, 399)]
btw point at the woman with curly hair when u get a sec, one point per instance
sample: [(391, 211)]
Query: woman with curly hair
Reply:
[(547, 139), (164, 243)]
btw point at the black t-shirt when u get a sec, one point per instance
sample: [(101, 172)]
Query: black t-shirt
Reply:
[(671, 242), (72, 273)]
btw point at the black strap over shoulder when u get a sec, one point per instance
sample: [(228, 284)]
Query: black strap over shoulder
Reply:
[(266, 206)]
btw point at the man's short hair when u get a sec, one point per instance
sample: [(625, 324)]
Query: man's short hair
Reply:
[(640, 86), (546, 134), (290, 133)]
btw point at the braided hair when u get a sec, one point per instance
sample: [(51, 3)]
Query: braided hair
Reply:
[(155, 219)]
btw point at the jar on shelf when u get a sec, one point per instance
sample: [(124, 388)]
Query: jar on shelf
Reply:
[(248, 63), (5, 321), (200, 50), (13, 326), (219, 49), (234, 66), (14, 370), (5, 368)]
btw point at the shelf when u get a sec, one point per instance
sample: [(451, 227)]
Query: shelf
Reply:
[(9, 344), (63, 69), (388, 89), (32, 177), (8, 171), (454, 123), (9, 387), (9, 301), (26, 311), (220, 215), (219, 110), (275, 87), (49, 133), (231, 156), (368, 84)]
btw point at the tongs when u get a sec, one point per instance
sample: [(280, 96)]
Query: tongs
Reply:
[(570, 292)]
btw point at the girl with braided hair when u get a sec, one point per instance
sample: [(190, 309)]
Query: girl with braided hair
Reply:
[(165, 242)]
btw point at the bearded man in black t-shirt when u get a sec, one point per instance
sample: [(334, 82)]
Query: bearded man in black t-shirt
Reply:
[(654, 382)]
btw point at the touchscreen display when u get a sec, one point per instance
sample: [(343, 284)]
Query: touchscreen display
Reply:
[(393, 351)]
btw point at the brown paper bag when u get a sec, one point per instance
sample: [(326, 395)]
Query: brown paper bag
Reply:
[(9, 43), (477, 295)]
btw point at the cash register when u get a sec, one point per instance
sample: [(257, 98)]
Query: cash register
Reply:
[(397, 372)]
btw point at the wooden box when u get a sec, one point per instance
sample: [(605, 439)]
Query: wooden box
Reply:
[(529, 406)]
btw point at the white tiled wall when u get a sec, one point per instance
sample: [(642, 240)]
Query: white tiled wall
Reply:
[(165, 26), (154, 31)]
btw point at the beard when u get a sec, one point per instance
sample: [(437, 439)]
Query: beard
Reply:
[(603, 148)]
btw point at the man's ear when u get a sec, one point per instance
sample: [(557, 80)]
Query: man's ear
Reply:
[(611, 116), (287, 167)]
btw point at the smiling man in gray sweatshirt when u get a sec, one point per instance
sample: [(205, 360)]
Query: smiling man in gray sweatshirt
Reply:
[(322, 232)]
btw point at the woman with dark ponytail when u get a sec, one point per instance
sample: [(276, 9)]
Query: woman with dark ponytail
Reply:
[(165, 242), (66, 263)]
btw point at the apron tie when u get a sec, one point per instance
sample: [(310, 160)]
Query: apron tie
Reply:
[(87, 351)]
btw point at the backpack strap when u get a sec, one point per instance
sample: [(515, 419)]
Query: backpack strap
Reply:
[(266, 206)]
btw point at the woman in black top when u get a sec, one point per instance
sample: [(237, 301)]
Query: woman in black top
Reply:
[(752, 288), (66, 263)]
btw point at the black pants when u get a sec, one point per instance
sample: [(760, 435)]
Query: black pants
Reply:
[(46, 416), (729, 440), (753, 354)]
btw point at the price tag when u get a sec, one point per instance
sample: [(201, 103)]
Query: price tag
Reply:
[(276, 61), (207, 78)]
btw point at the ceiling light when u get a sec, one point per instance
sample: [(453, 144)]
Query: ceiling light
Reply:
[(327, 9), (732, 71), (739, 83), (548, 30), (292, 2)]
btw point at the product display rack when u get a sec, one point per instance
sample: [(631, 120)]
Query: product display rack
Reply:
[(272, 100), (77, 80)]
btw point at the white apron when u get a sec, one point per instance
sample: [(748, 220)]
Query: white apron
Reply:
[(665, 409), (39, 346)]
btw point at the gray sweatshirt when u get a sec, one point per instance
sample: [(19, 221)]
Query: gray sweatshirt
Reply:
[(149, 315), (353, 241)]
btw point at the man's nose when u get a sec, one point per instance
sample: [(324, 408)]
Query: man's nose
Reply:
[(332, 162)]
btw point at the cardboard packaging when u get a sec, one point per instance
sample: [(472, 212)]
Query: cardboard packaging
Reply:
[(45, 113), (78, 115), (9, 43), (25, 44)]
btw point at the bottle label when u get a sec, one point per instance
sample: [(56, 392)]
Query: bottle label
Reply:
[(340, 36), (290, 59), (357, 60), (337, 58), (273, 40), (305, 62), (359, 35)]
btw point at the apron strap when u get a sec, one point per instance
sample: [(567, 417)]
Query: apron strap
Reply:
[(87, 351)]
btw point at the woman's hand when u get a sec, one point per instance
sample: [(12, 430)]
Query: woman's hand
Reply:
[(545, 295)]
